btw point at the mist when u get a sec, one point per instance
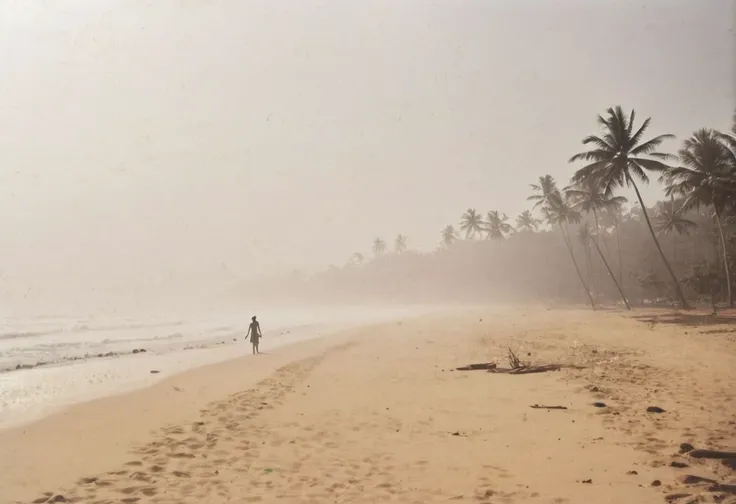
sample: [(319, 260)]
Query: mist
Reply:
[(153, 153)]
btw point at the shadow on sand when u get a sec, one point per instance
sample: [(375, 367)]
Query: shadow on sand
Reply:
[(690, 319)]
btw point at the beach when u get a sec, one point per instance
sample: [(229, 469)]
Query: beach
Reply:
[(381, 413)]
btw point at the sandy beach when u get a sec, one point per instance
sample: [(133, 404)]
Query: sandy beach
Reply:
[(381, 414)]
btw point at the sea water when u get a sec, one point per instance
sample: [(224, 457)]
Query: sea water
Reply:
[(48, 362)]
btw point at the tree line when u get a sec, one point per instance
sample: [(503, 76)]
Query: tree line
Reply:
[(679, 250)]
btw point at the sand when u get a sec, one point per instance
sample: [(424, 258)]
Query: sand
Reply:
[(380, 414)]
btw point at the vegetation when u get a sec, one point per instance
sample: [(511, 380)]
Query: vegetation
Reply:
[(581, 241)]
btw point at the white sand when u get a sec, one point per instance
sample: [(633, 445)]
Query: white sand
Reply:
[(379, 415)]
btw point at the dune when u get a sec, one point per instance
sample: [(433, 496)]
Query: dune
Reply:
[(633, 408)]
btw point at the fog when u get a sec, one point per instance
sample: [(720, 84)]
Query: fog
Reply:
[(152, 151)]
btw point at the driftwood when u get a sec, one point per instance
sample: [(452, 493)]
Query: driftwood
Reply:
[(516, 366), (538, 406), (712, 454), (526, 369), (486, 366)]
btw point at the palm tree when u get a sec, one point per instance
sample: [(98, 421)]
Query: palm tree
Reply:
[(357, 258), (379, 246), (612, 216), (558, 212), (400, 244), (588, 196), (593, 239), (617, 157), (703, 179), (497, 227), (584, 238), (729, 142), (669, 220), (471, 223), (543, 190), (527, 222), (448, 235)]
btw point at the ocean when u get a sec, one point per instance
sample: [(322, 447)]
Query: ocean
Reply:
[(49, 362)]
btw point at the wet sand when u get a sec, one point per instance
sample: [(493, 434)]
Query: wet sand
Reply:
[(380, 414)]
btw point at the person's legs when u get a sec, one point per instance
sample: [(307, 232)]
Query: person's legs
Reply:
[(258, 341), (255, 345)]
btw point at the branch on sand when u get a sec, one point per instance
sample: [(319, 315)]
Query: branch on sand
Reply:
[(712, 454), (539, 406), (517, 366)]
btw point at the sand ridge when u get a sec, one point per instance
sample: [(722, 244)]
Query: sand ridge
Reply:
[(385, 417)]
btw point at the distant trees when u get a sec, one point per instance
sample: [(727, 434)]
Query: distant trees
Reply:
[(379, 246), (695, 223), (527, 222), (472, 223), (449, 236), (400, 244)]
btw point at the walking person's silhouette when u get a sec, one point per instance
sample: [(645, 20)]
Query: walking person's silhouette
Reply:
[(254, 331)]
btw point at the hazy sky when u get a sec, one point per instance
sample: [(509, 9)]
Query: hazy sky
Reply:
[(152, 141)]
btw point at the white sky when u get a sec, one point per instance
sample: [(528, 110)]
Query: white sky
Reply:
[(154, 141)]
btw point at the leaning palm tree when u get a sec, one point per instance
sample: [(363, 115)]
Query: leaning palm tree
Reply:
[(527, 222), (703, 180), (543, 191), (590, 236), (496, 226), (588, 196), (668, 220), (729, 142), (379, 246), (400, 244), (558, 212), (449, 236), (471, 223), (617, 157)]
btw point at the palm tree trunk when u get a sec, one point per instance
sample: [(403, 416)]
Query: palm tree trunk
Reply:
[(676, 282), (618, 252), (568, 244), (599, 273), (725, 260), (620, 291)]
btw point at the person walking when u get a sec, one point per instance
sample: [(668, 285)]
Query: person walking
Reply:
[(254, 331)]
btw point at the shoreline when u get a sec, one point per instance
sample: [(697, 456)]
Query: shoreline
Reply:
[(139, 412), (123, 373), (356, 415), (30, 392)]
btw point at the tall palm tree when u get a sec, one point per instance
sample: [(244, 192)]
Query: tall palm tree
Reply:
[(558, 212), (617, 157), (543, 190), (703, 179), (588, 196), (613, 216), (729, 142), (471, 223), (379, 246), (584, 238), (449, 235), (527, 222), (669, 220), (400, 244), (496, 226), (590, 236)]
